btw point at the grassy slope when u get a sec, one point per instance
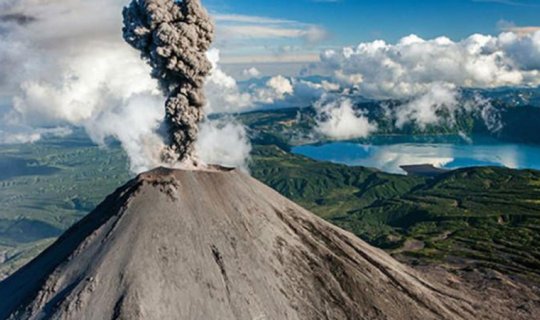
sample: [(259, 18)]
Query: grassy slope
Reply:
[(487, 217)]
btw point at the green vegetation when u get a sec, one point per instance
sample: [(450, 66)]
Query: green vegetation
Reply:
[(55, 182), (488, 217), (48, 186), (12, 258), (324, 187)]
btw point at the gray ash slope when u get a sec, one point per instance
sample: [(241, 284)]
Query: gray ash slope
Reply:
[(177, 244)]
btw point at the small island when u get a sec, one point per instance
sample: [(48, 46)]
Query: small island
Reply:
[(423, 170)]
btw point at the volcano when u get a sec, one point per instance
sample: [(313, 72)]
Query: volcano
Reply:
[(217, 244)]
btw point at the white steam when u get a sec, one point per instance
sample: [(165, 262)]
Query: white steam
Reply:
[(139, 139), (224, 142), (71, 69)]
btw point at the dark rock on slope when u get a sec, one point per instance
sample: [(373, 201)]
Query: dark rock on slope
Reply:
[(218, 245)]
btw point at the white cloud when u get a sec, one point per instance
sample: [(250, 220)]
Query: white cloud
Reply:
[(251, 72), (225, 95), (234, 26), (83, 85), (253, 39), (238, 18), (440, 105), (425, 109), (264, 32), (490, 115), (222, 90), (338, 120), (277, 88), (273, 58), (429, 74), (411, 66), (66, 68), (523, 50)]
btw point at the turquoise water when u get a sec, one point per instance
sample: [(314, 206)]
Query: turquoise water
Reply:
[(389, 153)]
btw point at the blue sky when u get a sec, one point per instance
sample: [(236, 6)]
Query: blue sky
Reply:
[(348, 22)]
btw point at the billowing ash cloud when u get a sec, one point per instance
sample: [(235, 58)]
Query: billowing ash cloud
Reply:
[(173, 38), (17, 18)]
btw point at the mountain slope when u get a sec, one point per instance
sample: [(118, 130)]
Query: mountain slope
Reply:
[(218, 245), (484, 217)]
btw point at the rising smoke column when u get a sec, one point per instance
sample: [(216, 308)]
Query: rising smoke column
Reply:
[(173, 37)]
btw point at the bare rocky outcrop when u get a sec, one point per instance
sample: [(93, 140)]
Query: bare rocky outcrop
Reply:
[(218, 244)]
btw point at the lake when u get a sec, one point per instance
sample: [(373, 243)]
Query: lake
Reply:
[(451, 152)]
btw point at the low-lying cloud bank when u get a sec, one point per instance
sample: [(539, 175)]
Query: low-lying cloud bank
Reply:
[(338, 120), (427, 75)]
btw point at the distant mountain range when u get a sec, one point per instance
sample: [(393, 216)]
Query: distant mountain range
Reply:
[(296, 126), (511, 96)]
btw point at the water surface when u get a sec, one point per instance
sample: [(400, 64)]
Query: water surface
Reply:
[(389, 153)]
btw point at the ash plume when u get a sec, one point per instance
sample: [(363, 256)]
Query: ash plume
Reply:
[(173, 37), (17, 18)]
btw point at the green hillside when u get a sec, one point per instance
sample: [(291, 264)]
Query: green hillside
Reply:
[(485, 217)]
